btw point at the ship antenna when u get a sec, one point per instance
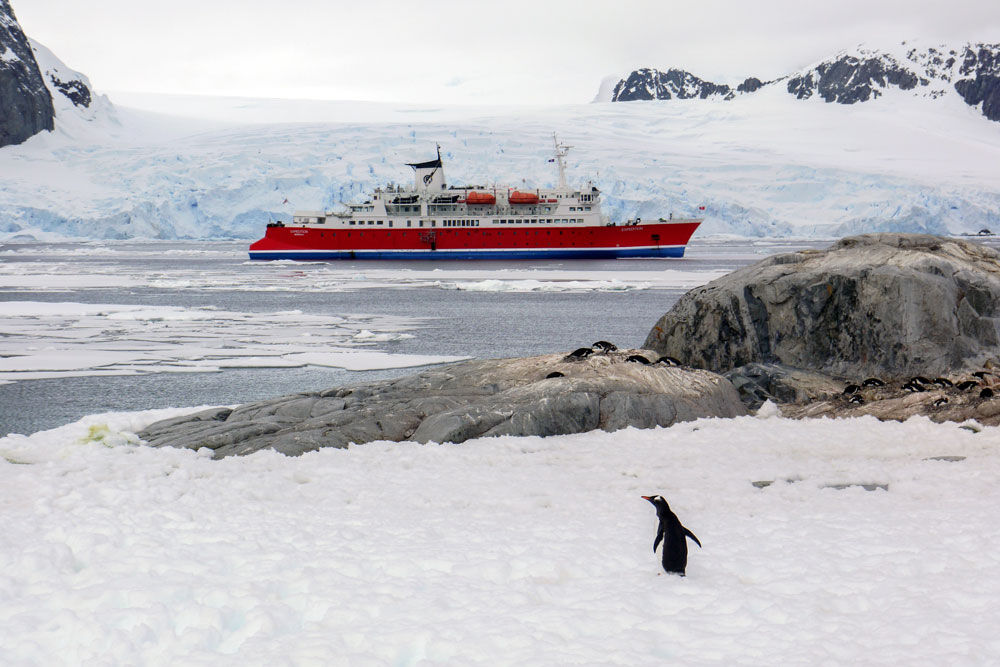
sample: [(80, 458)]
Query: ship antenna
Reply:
[(561, 150)]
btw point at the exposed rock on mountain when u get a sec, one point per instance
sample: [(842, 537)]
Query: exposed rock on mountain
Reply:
[(465, 400), (862, 74), (651, 84), (25, 103), (72, 95), (851, 79), (882, 305), (980, 82)]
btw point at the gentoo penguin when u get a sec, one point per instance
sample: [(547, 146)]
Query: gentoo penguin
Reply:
[(578, 353), (851, 389), (669, 361), (673, 535), (555, 374), (604, 346), (873, 382), (637, 358)]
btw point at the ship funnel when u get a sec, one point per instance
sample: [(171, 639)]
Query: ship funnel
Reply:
[(428, 175)]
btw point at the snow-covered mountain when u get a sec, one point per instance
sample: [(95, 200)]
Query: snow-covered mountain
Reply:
[(25, 102), (38, 91), (764, 164), (970, 71), (73, 98)]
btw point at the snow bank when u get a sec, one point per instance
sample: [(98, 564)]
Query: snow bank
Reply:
[(506, 551)]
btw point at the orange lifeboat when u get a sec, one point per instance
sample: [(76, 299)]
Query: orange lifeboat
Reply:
[(523, 198), (480, 198)]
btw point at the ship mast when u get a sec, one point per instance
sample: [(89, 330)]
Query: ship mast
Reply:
[(561, 151)]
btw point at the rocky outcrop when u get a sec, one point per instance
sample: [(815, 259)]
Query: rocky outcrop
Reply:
[(880, 305), (73, 97), (979, 79), (850, 79), (971, 71), (25, 103), (465, 400), (652, 84)]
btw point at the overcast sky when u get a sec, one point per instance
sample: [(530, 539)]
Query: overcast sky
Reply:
[(442, 51)]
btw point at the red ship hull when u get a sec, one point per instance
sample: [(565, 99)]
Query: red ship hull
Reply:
[(653, 239)]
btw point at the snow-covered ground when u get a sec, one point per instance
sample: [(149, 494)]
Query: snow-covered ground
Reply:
[(768, 165), (507, 551)]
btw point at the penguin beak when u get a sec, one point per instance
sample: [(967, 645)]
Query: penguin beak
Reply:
[(649, 498)]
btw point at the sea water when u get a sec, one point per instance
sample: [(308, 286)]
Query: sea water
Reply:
[(93, 327)]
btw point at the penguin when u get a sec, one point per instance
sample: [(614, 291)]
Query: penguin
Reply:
[(578, 353), (638, 358), (873, 382), (943, 382), (912, 386), (673, 535), (555, 374), (920, 379), (851, 389), (981, 374), (604, 346), (939, 402), (986, 393), (856, 398), (669, 361), (967, 385)]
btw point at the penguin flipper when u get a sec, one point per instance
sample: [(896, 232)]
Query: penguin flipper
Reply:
[(692, 536), (659, 537)]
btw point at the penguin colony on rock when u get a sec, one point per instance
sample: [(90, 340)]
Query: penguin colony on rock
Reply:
[(673, 535), (918, 384), (605, 348)]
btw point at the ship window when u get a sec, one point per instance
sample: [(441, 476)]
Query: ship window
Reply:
[(432, 223), (390, 223), (409, 223), (580, 220), (586, 208)]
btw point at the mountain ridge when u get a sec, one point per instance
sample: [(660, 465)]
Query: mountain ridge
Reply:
[(971, 71)]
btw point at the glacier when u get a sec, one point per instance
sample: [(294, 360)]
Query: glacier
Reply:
[(174, 167)]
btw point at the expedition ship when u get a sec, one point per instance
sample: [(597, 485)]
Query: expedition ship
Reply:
[(432, 220)]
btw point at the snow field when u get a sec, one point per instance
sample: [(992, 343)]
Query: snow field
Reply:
[(505, 551)]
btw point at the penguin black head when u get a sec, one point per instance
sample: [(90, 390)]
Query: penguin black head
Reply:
[(658, 501)]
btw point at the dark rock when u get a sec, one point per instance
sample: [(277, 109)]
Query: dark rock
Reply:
[(981, 85), (652, 84), (890, 305), (750, 85), (460, 401), (25, 103), (757, 383), (972, 71), (851, 79)]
